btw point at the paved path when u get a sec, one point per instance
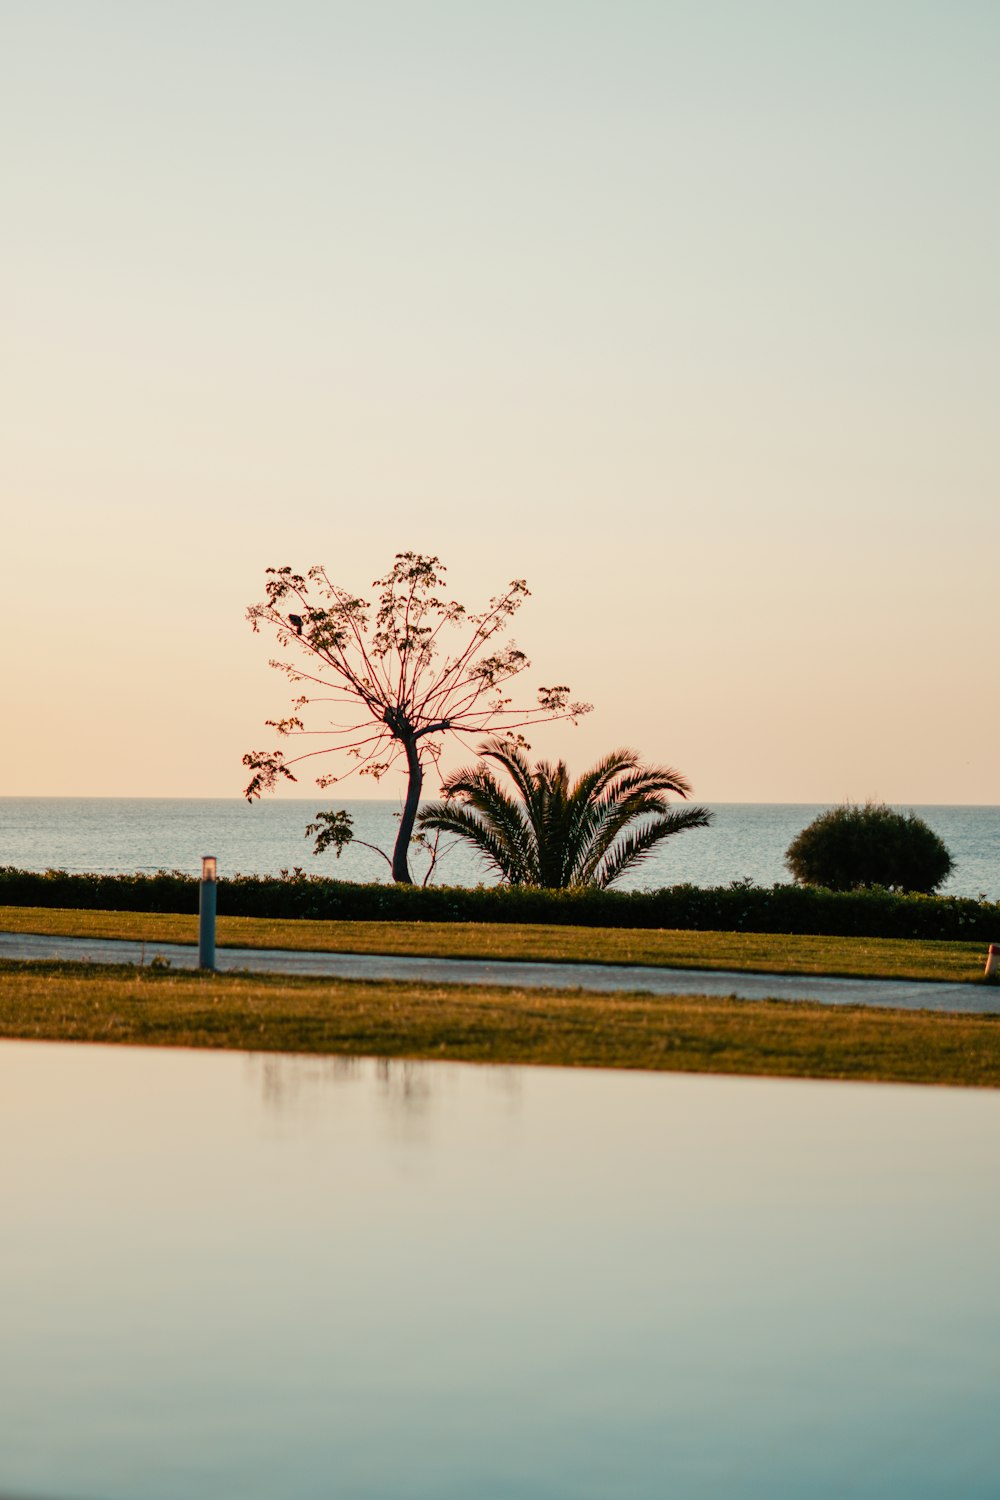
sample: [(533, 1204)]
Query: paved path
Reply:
[(899, 994)]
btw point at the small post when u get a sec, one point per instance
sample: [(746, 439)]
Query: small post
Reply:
[(993, 961), (206, 913)]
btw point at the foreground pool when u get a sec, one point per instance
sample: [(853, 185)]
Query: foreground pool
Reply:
[(246, 1275)]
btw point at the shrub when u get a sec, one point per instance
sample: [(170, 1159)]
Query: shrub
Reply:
[(555, 833), (850, 848), (734, 908)]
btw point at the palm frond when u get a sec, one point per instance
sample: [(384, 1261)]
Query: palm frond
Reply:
[(585, 809), (594, 782), (530, 783), (638, 845), (617, 791), (609, 817), (447, 817), (501, 816)]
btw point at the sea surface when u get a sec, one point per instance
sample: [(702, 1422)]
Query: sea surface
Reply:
[(747, 841), (299, 1277)]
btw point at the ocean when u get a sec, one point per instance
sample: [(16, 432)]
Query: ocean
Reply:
[(747, 841)]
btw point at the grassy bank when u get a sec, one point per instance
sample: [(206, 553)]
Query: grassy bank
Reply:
[(767, 953), (88, 1003)]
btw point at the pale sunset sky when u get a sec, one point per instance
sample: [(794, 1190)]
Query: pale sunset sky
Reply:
[(687, 312)]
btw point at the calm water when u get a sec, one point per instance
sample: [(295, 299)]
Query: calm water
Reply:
[(228, 1275), (747, 840)]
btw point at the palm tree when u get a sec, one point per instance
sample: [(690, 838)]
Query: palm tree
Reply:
[(556, 835)]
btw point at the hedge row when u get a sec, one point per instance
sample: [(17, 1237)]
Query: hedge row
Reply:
[(735, 908)]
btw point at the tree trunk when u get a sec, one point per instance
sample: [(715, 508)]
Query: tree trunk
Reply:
[(400, 862)]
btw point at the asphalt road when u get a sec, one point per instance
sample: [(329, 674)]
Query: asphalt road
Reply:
[(889, 993)]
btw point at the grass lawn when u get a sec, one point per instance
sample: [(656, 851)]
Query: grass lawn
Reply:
[(683, 1033), (882, 958)]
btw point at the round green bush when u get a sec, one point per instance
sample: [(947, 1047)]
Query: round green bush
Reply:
[(850, 847)]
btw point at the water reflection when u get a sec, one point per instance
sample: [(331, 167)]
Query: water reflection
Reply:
[(259, 1276), (288, 1082), (285, 1081)]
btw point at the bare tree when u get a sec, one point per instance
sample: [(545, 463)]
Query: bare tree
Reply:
[(419, 668)]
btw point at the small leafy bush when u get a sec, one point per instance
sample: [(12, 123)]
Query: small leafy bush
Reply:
[(851, 848)]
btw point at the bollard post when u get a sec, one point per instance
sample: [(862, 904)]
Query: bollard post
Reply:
[(993, 961), (206, 913)]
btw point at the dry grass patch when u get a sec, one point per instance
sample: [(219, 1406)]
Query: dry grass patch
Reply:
[(683, 1033)]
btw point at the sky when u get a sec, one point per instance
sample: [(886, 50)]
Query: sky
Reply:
[(687, 313)]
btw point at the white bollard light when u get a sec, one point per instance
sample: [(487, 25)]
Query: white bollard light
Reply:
[(993, 961), (206, 913)]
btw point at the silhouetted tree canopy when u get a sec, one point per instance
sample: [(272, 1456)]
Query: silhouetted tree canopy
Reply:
[(392, 678)]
